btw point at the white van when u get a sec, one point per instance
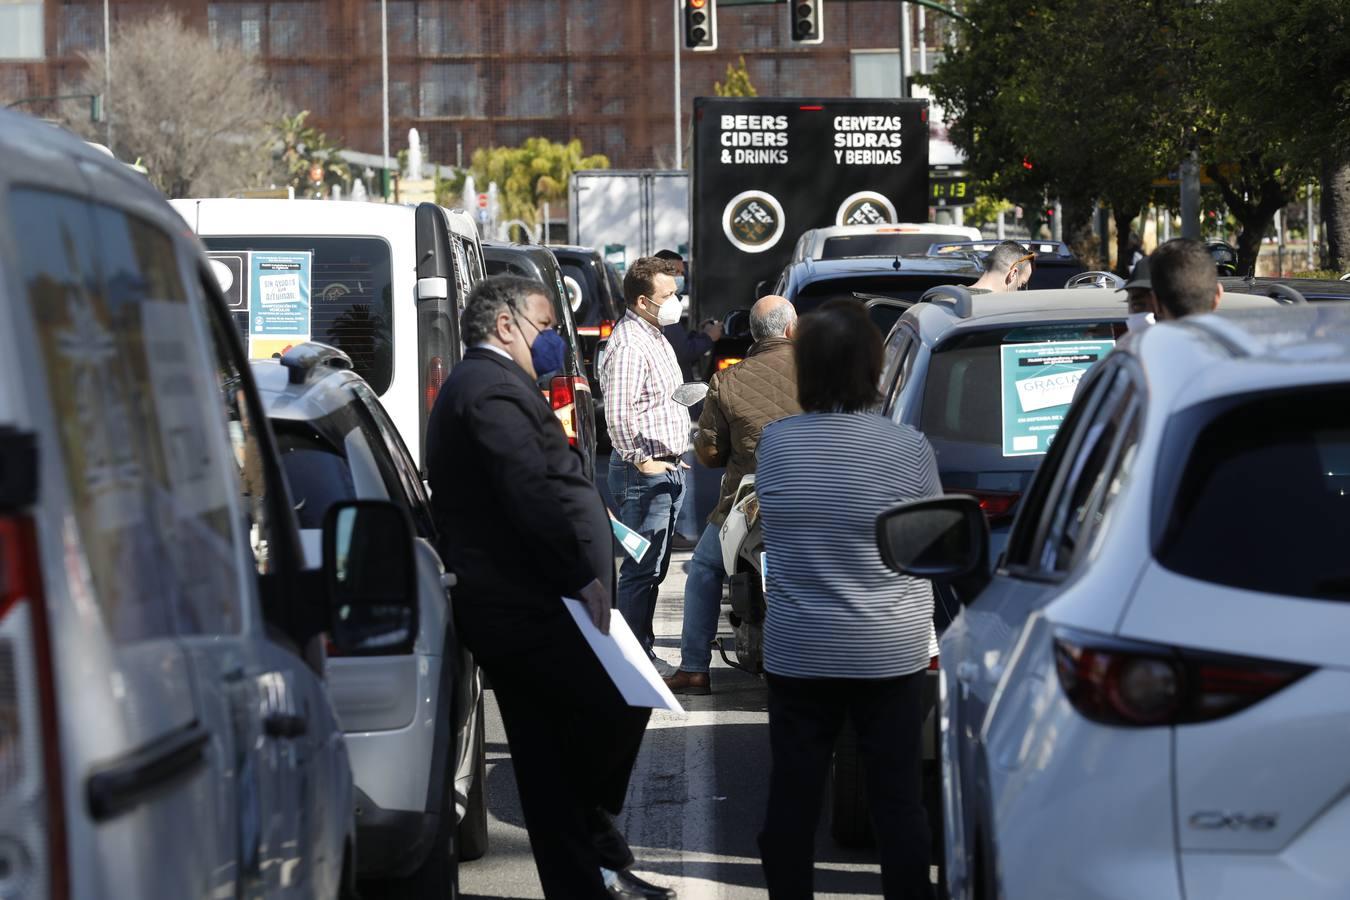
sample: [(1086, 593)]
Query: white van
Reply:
[(164, 727), (386, 286)]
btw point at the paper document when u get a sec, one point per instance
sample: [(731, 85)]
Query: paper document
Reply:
[(634, 544), (624, 660)]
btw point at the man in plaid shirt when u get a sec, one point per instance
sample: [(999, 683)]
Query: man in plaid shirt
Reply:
[(649, 432)]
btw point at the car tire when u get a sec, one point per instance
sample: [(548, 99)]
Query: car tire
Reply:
[(850, 814), (473, 831), (437, 878)]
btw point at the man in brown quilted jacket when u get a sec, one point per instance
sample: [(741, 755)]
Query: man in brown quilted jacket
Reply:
[(741, 401)]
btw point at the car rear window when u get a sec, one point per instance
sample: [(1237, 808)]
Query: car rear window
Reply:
[(1261, 504), (895, 286), (963, 390), (886, 244), (351, 296)]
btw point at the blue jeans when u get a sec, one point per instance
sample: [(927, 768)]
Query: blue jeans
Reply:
[(648, 504), (702, 601)]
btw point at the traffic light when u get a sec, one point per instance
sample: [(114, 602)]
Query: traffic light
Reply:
[(806, 21), (700, 24)]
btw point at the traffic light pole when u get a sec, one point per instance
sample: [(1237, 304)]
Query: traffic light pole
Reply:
[(679, 40)]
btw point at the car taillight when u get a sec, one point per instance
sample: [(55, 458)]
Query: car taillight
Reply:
[(1130, 683), (997, 506), (435, 378), (601, 331), (33, 841), (562, 396), (726, 362)]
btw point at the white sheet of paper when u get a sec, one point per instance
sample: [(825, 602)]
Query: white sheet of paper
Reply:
[(624, 660)]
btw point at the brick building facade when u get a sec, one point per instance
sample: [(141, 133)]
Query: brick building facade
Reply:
[(473, 73)]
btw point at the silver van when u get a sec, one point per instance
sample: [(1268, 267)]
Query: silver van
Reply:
[(165, 730)]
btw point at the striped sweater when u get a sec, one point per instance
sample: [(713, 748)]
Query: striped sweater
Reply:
[(834, 609)]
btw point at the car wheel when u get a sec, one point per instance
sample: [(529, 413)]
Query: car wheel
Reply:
[(850, 815), (473, 831), (437, 878)]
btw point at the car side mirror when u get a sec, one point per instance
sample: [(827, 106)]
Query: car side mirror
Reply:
[(371, 575), (690, 393), (941, 538), (736, 324)]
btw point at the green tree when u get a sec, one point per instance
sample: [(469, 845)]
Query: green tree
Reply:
[(738, 82), (304, 147), (1279, 78), (537, 171), (1037, 125)]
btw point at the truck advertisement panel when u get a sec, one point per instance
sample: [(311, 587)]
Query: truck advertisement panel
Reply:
[(767, 169)]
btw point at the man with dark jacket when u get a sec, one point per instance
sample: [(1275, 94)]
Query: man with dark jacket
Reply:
[(522, 527), (741, 401)]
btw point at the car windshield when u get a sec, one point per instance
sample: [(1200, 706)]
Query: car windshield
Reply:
[(883, 244), (908, 287), (351, 297), (1262, 504), (317, 472)]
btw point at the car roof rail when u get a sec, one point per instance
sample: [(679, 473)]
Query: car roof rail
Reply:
[(962, 302), (1096, 279), (1284, 294), (302, 359)]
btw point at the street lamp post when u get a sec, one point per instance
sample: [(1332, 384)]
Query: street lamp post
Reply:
[(679, 143), (384, 93), (107, 71)]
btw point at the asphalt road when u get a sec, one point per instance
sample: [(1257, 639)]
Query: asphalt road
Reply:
[(696, 801)]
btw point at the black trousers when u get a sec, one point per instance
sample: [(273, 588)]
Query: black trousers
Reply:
[(573, 739), (805, 718)]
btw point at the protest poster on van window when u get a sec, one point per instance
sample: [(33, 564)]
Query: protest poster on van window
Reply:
[(279, 302), (1039, 381)]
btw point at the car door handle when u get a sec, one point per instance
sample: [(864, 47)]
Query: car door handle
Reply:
[(967, 672), (285, 725)]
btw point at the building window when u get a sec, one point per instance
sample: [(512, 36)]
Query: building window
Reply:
[(81, 28), (452, 89), (21, 29), (876, 73), (236, 25)]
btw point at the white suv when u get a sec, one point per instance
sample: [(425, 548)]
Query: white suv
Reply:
[(164, 725), (1151, 697)]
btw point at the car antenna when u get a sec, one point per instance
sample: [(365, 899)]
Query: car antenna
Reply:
[(896, 265)]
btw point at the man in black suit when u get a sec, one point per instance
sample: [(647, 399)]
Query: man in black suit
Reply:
[(522, 527)]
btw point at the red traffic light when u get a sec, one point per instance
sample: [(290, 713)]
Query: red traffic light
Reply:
[(1026, 164), (697, 4)]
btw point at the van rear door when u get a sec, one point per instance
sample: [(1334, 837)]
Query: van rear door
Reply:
[(441, 278)]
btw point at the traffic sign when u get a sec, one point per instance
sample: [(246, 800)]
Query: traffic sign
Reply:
[(482, 201)]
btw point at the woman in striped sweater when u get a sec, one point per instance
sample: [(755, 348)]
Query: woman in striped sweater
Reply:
[(843, 635)]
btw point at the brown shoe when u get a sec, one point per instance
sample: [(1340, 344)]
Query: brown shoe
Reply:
[(683, 682)]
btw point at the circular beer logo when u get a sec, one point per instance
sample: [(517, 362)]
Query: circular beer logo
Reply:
[(753, 221), (866, 208)]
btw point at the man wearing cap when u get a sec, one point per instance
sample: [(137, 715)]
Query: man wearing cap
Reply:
[(1139, 297)]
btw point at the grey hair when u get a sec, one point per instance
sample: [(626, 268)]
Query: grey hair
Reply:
[(773, 323), (1004, 255), (489, 298)]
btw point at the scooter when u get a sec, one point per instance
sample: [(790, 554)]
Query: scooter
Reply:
[(743, 560)]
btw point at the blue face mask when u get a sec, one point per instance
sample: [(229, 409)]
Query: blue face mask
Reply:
[(679, 284), (548, 351)]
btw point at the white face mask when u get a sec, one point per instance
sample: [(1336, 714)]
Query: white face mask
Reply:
[(669, 311), (1139, 321)]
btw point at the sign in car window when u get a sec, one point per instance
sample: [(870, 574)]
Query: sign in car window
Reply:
[(279, 305), (1039, 381)]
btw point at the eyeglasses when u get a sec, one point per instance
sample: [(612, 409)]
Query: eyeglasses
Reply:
[(555, 328), (1029, 258)]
